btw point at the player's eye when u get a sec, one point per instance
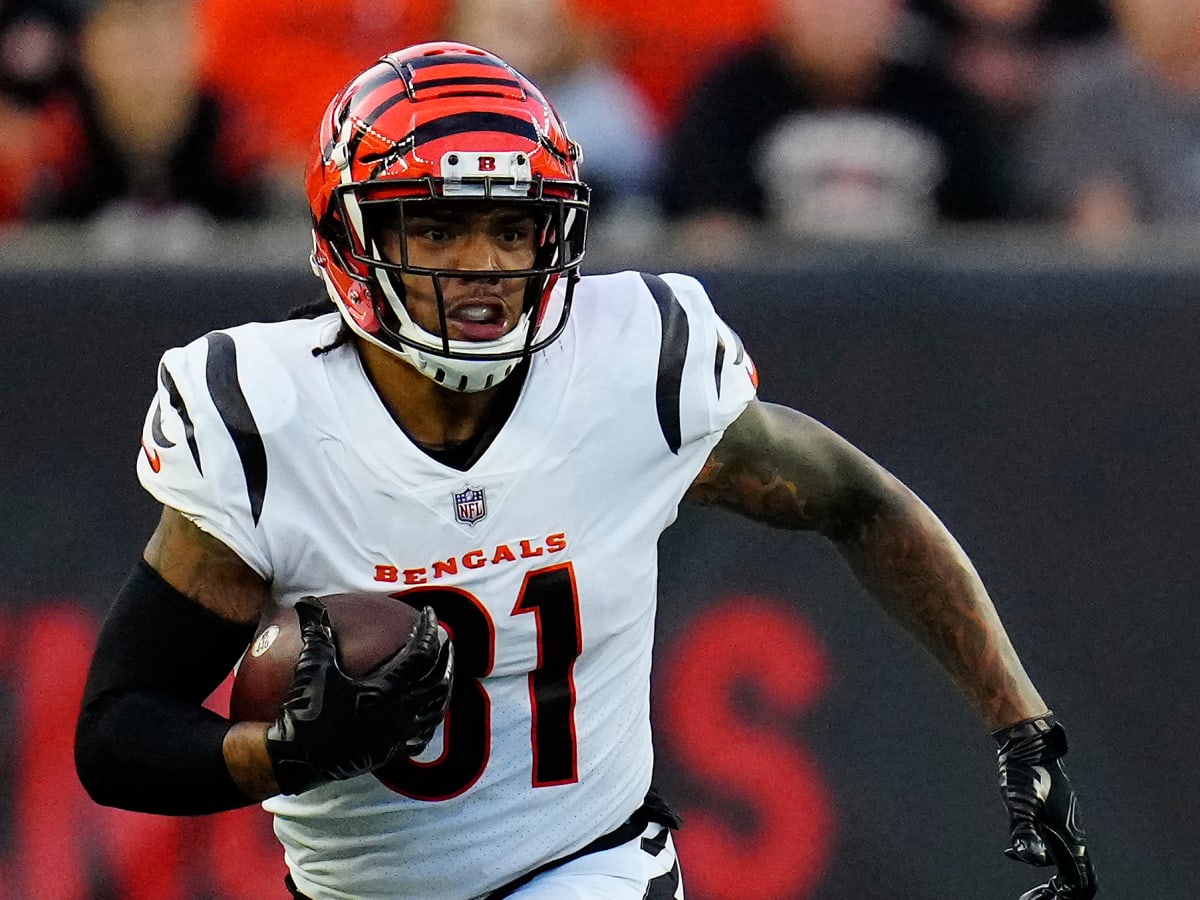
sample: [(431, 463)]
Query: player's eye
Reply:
[(516, 234), (430, 233)]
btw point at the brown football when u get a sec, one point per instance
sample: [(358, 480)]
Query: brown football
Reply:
[(367, 630)]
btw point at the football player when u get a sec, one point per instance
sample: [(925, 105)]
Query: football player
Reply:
[(475, 428)]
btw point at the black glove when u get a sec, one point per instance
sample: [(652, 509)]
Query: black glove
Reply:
[(332, 726), (1043, 809)]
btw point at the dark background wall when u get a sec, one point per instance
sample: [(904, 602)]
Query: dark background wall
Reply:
[(1049, 414)]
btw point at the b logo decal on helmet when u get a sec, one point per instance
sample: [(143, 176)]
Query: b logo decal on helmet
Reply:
[(443, 121)]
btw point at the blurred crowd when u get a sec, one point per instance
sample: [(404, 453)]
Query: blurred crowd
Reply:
[(820, 120)]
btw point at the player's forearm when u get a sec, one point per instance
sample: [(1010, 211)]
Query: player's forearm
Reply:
[(919, 574), (245, 750), (152, 753), (144, 741), (785, 469)]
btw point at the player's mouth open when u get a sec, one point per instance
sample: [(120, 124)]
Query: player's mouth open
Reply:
[(478, 320)]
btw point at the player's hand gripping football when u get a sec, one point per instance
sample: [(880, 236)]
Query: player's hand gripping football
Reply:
[(1043, 809), (333, 726)]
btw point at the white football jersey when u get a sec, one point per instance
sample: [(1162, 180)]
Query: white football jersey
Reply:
[(540, 561)]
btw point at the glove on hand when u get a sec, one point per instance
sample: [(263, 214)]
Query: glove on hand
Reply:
[(332, 726), (1043, 809)]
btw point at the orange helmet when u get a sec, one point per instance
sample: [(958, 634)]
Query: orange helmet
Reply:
[(443, 121)]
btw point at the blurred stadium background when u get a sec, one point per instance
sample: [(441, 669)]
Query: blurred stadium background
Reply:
[(1031, 372)]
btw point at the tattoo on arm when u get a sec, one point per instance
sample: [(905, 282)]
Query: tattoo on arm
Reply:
[(205, 569), (766, 495), (784, 469), (917, 572)]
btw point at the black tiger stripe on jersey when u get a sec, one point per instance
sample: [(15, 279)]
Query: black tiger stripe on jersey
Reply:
[(177, 404), (718, 364), (671, 356), (227, 395), (156, 432), (741, 350)]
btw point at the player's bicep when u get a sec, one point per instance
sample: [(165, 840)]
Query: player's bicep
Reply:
[(203, 568), (786, 469)]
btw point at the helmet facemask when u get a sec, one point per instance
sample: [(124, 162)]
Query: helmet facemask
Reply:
[(369, 211)]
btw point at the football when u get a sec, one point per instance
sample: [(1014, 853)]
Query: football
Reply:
[(367, 630)]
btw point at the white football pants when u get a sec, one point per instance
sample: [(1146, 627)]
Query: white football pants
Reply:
[(644, 868)]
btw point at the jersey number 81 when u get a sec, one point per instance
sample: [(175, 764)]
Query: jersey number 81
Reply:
[(550, 595)]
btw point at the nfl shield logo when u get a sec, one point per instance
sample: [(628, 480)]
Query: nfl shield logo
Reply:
[(470, 505)]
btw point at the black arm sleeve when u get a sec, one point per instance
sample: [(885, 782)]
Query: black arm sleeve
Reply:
[(143, 741)]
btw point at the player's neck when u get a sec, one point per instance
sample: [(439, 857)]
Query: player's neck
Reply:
[(434, 417)]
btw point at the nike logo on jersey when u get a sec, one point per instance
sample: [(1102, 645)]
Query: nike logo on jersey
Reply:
[(474, 559), (152, 456)]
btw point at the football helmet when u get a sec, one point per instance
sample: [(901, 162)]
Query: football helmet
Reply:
[(437, 123)]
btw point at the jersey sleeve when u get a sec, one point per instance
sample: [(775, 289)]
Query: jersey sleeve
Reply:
[(198, 454), (704, 372)]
